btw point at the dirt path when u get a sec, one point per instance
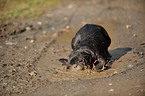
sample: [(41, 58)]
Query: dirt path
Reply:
[(29, 58)]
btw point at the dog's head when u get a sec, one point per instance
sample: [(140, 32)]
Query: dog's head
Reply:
[(82, 58), (85, 59)]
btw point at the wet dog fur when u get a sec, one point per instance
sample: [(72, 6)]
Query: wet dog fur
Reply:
[(90, 48)]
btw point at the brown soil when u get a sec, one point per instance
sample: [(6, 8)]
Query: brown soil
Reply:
[(29, 51)]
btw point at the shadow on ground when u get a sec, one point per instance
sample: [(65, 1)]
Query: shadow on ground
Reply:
[(119, 52)]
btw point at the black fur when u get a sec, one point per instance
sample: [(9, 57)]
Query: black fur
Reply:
[(90, 47)]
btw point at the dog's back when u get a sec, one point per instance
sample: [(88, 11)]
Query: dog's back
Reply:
[(94, 37), (90, 48)]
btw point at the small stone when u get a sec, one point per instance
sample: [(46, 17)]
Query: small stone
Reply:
[(13, 70), (25, 47), (39, 23), (110, 84), (31, 41), (67, 27), (72, 5), (134, 35), (111, 90), (115, 72), (130, 65), (28, 28), (58, 51), (73, 81), (34, 73), (128, 26), (142, 53)]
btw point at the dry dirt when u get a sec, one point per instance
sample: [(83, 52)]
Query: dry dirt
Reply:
[(29, 51)]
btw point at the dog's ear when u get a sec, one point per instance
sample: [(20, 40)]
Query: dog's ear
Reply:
[(64, 61)]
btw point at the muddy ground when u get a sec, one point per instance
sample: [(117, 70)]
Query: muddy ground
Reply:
[(29, 51)]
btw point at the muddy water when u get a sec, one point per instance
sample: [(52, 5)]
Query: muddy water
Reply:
[(50, 68)]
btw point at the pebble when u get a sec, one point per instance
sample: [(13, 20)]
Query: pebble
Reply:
[(142, 53), (73, 81), (110, 84), (128, 26), (58, 51), (31, 41), (72, 5), (14, 70), (25, 47), (28, 28), (134, 35), (33, 73), (115, 72), (39, 23), (130, 65), (111, 90), (67, 27)]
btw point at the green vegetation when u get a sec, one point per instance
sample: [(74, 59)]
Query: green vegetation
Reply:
[(10, 9)]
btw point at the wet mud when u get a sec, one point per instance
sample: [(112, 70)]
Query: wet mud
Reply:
[(49, 66), (29, 53)]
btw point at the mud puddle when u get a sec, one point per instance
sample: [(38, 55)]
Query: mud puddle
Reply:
[(50, 68)]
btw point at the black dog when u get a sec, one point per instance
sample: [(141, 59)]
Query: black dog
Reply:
[(90, 48)]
